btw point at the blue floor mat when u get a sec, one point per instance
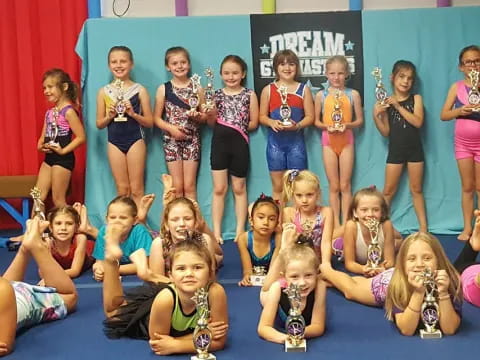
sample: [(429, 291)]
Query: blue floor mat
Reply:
[(353, 330)]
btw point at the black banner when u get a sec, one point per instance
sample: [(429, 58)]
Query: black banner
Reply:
[(314, 37)]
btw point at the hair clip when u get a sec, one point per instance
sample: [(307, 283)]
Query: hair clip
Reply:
[(276, 201), (304, 240), (372, 187), (293, 174), (262, 196)]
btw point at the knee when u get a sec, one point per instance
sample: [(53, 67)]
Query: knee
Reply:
[(334, 188), (70, 301), (189, 188), (6, 288), (239, 189), (220, 190), (416, 189), (345, 187)]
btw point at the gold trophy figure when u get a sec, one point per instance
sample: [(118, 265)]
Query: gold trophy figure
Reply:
[(430, 311), (380, 92), (258, 276), (474, 93), (209, 90), (285, 110), (194, 99), (52, 131), (295, 323), (374, 250), (120, 106), (337, 114), (202, 336), (38, 208)]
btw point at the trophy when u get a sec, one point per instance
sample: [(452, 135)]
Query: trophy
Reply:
[(120, 107), (38, 208), (295, 323), (374, 251), (337, 114), (380, 92), (429, 312), (209, 90), (52, 131), (202, 336), (258, 276), (474, 93), (193, 99), (285, 111)]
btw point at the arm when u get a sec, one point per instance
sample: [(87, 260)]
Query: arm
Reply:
[(245, 259), (326, 244), (217, 298), (308, 109), (127, 269), (358, 111), (389, 245), (265, 327), (41, 139), (349, 252), (78, 131), (78, 256), (449, 320), (415, 118), (318, 111), (145, 118), (407, 321), (211, 248), (157, 262), (103, 118), (264, 111), (317, 326), (448, 112), (380, 117), (254, 112)]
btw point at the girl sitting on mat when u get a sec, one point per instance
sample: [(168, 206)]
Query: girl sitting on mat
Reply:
[(469, 267), (313, 220), (401, 289), (297, 263), (23, 305), (164, 313), (366, 203), (126, 145), (259, 246), (122, 211)]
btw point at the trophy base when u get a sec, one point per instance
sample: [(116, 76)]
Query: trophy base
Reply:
[(437, 334), (286, 122), (207, 357), (53, 144), (120, 118), (302, 347), (257, 280)]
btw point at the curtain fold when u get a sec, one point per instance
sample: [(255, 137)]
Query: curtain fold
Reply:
[(35, 35)]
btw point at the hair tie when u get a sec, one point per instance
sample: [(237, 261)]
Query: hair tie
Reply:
[(372, 187), (304, 240), (292, 175), (262, 196)]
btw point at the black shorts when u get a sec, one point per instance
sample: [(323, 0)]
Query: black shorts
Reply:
[(66, 161), (229, 151), (405, 155)]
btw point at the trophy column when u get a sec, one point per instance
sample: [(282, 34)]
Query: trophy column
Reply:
[(429, 312), (374, 251), (295, 323), (474, 93), (120, 107), (380, 92), (202, 336), (194, 99)]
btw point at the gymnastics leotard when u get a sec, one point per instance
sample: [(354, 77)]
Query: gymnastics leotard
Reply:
[(315, 233), (176, 113), (467, 128), (230, 135), (286, 149), (264, 260), (123, 134), (337, 140), (405, 144), (64, 137), (284, 305)]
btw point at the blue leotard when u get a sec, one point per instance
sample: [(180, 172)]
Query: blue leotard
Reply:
[(265, 260)]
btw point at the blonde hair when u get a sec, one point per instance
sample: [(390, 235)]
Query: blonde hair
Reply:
[(291, 177), (302, 252), (400, 291), (340, 59)]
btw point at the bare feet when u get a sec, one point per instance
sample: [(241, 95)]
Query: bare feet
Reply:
[(169, 192), (32, 239), (475, 238), (289, 235), (113, 252), (464, 235), (84, 227), (144, 207)]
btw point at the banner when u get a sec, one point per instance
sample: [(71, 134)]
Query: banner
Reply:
[(314, 37)]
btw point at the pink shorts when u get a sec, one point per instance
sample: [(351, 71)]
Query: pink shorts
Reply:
[(467, 140), (471, 291)]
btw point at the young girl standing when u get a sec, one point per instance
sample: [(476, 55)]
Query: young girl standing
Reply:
[(181, 138), (338, 141), (310, 219), (285, 144), (61, 121), (165, 313), (299, 266), (259, 246), (401, 118), (236, 115), (367, 203), (467, 134), (126, 145)]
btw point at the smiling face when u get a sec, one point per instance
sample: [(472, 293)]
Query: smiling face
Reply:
[(403, 81), (120, 64), (369, 206), (303, 274), (305, 195), (264, 219), (286, 71), (189, 272), (232, 74), (178, 64), (180, 219), (63, 227), (337, 74), (52, 90), (420, 256)]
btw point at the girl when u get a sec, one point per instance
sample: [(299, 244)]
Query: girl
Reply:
[(299, 265), (367, 203), (403, 293), (285, 144), (180, 218), (401, 118), (61, 121), (467, 133), (310, 219), (23, 305), (468, 267), (165, 312), (70, 249), (126, 145), (181, 138), (237, 114), (259, 246), (337, 141), (121, 212)]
